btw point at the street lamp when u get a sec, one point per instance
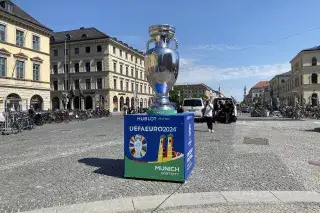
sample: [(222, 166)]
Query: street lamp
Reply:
[(67, 38)]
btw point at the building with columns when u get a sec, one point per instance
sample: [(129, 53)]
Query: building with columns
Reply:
[(24, 60), (101, 70)]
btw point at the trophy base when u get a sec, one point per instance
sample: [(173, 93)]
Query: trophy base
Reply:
[(161, 112)]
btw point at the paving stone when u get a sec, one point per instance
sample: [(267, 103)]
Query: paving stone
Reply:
[(57, 168)]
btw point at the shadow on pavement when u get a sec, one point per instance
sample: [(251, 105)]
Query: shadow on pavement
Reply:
[(313, 130), (110, 167)]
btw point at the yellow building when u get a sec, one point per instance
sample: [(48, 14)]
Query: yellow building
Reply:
[(302, 84), (24, 60)]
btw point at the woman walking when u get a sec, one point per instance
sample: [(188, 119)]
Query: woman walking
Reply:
[(208, 115)]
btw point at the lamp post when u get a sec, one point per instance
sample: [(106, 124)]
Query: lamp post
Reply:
[(67, 38)]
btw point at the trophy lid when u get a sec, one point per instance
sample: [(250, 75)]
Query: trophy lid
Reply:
[(162, 29)]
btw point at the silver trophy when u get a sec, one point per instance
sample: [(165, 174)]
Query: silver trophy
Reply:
[(162, 67)]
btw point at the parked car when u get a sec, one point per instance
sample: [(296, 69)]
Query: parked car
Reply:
[(194, 105), (245, 110)]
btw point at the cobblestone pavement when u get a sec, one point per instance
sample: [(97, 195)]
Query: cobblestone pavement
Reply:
[(62, 164)]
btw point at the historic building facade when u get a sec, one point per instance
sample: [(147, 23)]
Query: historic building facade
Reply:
[(198, 91), (258, 93), (100, 70), (24, 60), (303, 86)]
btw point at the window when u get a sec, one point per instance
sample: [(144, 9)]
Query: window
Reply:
[(140, 62), (120, 53), (66, 51), (2, 32), (20, 69), (99, 83), (55, 69), (132, 85), (136, 89), (3, 67), (36, 72), (141, 75), (192, 102), (87, 66), (149, 90), (314, 78), (115, 83), (114, 50), (55, 52), (314, 61), (127, 70), (126, 55), (121, 85), (141, 88), (131, 74), (99, 49), (99, 65), (66, 68), (127, 86), (36, 42), (121, 69), (145, 89), (88, 84), (76, 84), (115, 66), (87, 49), (76, 51), (55, 85), (137, 74), (131, 57), (76, 67), (20, 38)]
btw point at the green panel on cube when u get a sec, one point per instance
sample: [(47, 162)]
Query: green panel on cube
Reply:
[(171, 170), (161, 112)]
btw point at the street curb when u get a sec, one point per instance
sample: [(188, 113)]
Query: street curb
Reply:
[(185, 199)]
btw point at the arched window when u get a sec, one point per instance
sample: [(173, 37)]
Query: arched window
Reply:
[(314, 78), (282, 81), (314, 61), (52, 39), (84, 36)]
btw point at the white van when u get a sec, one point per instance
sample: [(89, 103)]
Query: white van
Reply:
[(194, 105)]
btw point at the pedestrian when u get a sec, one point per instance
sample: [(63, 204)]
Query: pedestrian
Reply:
[(208, 115)]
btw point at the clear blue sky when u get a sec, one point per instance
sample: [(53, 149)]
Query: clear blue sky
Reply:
[(210, 32)]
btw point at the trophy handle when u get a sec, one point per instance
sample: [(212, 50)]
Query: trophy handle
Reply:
[(149, 42), (176, 43)]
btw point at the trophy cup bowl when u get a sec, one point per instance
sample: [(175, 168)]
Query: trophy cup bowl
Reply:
[(162, 67)]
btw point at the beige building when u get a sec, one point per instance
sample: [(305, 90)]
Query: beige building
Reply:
[(303, 84), (198, 91), (24, 60), (276, 84), (106, 70), (259, 92)]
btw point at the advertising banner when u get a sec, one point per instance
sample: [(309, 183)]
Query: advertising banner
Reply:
[(159, 147)]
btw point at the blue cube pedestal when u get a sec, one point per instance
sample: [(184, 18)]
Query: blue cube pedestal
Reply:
[(159, 147)]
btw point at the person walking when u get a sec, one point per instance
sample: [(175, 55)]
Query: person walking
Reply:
[(208, 115)]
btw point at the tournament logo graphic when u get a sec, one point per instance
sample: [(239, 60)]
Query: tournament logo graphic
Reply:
[(138, 146)]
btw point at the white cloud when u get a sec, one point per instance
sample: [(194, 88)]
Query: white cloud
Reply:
[(192, 72), (217, 47), (230, 79)]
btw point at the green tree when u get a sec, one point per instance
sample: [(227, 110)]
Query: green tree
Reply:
[(176, 95)]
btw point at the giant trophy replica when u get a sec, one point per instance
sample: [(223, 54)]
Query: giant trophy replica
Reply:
[(160, 144), (162, 67)]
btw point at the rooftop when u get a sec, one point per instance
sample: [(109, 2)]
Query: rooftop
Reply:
[(261, 84), (83, 34), (8, 6)]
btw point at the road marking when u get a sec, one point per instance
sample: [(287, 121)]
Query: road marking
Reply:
[(186, 199)]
